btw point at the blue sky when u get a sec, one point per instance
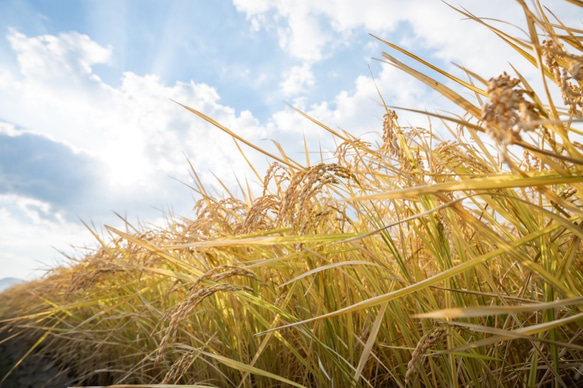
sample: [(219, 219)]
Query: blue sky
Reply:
[(87, 127)]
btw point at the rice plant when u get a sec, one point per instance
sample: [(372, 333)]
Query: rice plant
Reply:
[(422, 260)]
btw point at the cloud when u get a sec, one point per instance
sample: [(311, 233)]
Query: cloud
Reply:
[(50, 57), (32, 237), (36, 166), (134, 129), (359, 109), (297, 80), (312, 30), (303, 34)]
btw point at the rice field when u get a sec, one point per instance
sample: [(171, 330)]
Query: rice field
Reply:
[(424, 259)]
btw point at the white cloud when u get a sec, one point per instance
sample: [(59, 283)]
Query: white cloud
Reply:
[(310, 30), (49, 56), (359, 111), (253, 7), (29, 241), (8, 129), (135, 128), (39, 212), (297, 80), (303, 35)]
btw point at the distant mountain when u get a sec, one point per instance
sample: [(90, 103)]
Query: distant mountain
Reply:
[(9, 282)]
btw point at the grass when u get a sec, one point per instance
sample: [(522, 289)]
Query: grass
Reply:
[(418, 261)]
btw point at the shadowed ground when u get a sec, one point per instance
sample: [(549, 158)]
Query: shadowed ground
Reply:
[(34, 372)]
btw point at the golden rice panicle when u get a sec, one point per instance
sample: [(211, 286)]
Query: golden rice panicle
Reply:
[(507, 112), (567, 70), (180, 367), (390, 127), (265, 210), (425, 343), (308, 201), (208, 284), (217, 217), (262, 215)]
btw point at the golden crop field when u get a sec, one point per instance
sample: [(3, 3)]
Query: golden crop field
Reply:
[(421, 260)]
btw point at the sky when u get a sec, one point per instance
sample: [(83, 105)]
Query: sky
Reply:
[(88, 128)]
